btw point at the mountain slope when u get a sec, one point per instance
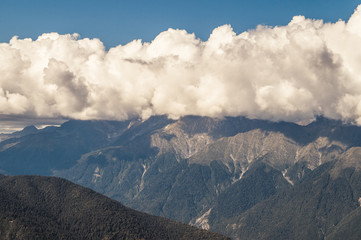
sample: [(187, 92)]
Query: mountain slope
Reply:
[(55, 147), (310, 210), (180, 169), (348, 228), (197, 170), (34, 207)]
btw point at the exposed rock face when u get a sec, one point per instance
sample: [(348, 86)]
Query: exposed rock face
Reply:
[(196, 170), (323, 205), (174, 139)]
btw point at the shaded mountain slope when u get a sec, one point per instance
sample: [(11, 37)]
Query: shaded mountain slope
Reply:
[(34, 207), (348, 228), (259, 183), (198, 170), (26, 131), (56, 147), (187, 168), (310, 210)]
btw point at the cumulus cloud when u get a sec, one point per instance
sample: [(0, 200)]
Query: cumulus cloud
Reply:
[(291, 73)]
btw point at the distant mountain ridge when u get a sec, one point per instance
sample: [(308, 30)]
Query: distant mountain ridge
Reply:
[(26, 131), (207, 172)]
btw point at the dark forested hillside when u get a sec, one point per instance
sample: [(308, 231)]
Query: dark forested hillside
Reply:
[(324, 205), (208, 172), (33, 207)]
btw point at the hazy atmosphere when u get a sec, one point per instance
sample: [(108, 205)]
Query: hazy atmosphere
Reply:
[(291, 71)]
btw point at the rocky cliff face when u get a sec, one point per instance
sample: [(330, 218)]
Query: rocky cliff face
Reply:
[(195, 172), (201, 170), (321, 206)]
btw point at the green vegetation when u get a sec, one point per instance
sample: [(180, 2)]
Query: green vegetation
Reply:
[(317, 208), (34, 207), (249, 179)]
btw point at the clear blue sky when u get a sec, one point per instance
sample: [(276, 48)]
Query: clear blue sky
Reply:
[(118, 22)]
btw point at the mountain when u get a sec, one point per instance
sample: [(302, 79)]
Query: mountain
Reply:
[(181, 169), (348, 227), (26, 131), (33, 207), (324, 205), (55, 147), (198, 170)]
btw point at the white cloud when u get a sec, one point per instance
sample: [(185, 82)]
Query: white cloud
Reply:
[(291, 72)]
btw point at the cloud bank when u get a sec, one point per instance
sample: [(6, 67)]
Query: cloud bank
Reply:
[(291, 73)]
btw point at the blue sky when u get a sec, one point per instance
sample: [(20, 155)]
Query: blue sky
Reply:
[(118, 22)]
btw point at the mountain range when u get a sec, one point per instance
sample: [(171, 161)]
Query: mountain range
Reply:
[(245, 178)]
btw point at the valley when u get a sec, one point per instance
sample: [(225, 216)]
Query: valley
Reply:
[(225, 175)]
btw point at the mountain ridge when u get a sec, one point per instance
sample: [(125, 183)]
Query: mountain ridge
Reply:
[(197, 170), (34, 207)]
